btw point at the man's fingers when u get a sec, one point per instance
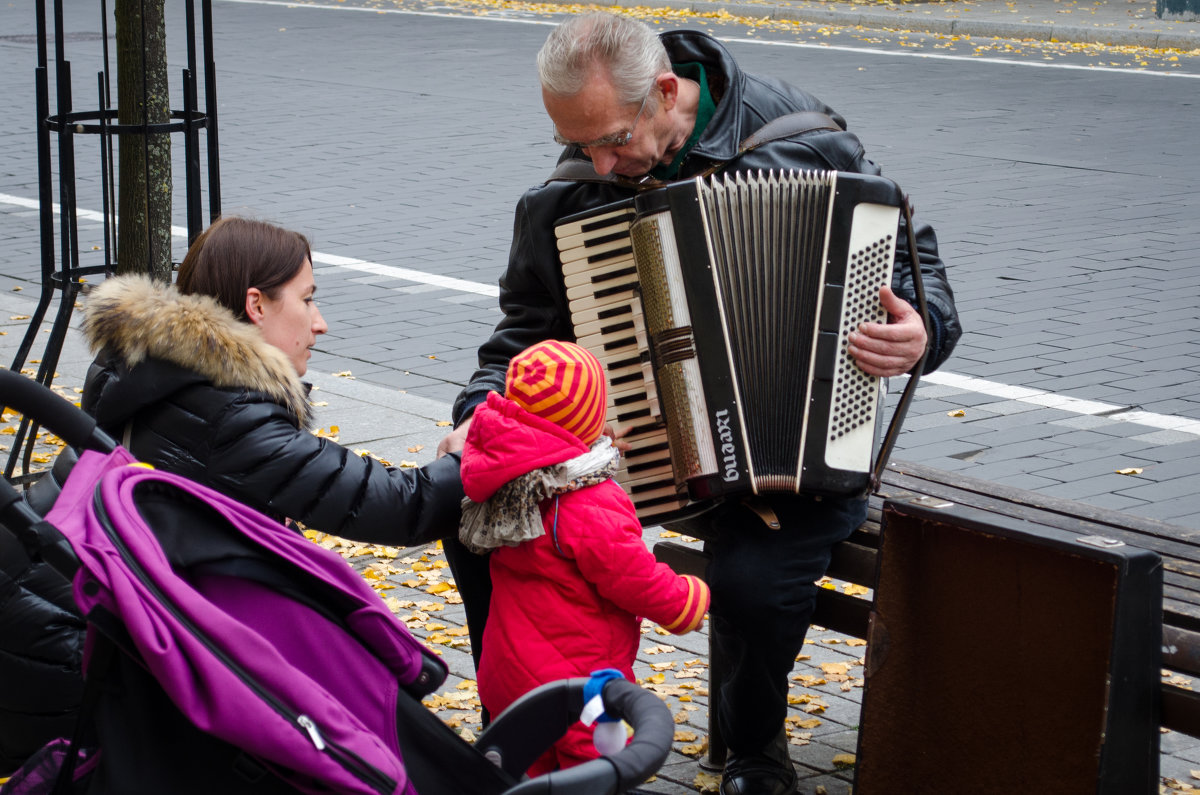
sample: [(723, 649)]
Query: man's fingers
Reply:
[(453, 442)]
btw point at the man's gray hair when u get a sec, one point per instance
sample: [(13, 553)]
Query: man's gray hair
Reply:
[(627, 50)]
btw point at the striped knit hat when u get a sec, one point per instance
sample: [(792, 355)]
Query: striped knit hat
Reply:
[(562, 383)]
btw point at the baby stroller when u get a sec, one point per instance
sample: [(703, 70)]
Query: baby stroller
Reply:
[(226, 653)]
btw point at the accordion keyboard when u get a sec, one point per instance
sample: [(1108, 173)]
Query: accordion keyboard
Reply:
[(602, 284)]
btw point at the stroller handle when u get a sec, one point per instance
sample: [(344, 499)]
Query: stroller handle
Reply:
[(76, 428), (39, 403), (653, 733)]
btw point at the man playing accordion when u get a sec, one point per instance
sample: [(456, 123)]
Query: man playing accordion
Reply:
[(633, 107)]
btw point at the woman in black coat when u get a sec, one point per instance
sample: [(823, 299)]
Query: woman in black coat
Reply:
[(204, 380)]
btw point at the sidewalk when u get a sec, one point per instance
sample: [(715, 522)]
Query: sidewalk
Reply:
[(1125, 23)]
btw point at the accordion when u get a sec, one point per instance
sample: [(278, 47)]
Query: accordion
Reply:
[(721, 309)]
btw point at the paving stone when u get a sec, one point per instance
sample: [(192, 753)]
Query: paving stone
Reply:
[(1027, 481)]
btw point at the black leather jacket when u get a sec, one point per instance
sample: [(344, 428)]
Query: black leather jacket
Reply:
[(532, 296), (205, 397)]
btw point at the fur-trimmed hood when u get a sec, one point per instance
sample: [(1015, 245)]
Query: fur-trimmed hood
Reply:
[(135, 319)]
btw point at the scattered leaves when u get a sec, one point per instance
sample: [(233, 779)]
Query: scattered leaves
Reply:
[(331, 434), (695, 749)]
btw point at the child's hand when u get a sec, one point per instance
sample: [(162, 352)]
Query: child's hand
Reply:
[(618, 438)]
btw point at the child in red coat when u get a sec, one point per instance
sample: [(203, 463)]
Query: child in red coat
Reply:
[(571, 575)]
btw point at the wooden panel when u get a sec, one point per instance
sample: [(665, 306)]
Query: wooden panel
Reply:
[(982, 621)]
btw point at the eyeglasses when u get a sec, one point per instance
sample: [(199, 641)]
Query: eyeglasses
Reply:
[(620, 138)]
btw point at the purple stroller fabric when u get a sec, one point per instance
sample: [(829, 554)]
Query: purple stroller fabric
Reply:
[(256, 668)]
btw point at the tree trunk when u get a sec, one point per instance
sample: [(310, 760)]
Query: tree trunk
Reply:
[(144, 187)]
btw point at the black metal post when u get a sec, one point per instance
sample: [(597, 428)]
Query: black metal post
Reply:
[(68, 280)]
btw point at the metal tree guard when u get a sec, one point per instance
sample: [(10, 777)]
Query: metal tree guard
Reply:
[(63, 126)]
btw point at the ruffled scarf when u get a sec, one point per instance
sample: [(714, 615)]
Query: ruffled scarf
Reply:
[(512, 516)]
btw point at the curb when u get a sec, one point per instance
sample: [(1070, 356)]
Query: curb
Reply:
[(1081, 34)]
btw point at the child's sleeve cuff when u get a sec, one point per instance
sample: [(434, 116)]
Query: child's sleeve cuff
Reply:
[(692, 615)]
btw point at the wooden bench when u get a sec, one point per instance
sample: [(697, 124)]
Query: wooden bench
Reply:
[(854, 561)]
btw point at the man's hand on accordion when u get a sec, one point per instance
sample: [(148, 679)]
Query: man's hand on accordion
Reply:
[(892, 348)]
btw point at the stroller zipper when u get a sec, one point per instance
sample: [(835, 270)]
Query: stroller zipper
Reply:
[(314, 733), (352, 762)]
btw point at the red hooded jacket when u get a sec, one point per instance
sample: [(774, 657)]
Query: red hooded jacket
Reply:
[(570, 602)]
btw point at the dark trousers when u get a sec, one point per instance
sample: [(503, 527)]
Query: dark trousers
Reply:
[(473, 578), (763, 595)]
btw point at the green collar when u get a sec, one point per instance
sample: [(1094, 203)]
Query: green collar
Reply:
[(704, 113)]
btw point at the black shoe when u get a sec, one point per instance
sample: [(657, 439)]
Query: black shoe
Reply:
[(757, 775), (769, 772)]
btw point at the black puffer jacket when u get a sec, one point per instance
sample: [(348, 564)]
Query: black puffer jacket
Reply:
[(532, 295), (204, 396), (41, 650)]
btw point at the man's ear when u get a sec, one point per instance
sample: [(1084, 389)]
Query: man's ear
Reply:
[(668, 85), (254, 305)]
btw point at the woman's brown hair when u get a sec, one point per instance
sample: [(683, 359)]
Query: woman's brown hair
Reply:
[(235, 254)]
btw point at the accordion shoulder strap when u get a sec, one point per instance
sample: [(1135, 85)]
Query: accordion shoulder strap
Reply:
[(792, 124), (578, 169)]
